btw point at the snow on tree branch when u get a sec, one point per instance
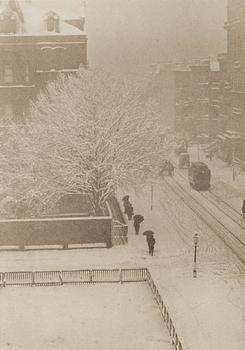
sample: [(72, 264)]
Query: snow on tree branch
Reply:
[(87, 134)]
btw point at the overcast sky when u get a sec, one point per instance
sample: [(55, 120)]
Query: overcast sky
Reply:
[(133, 33)]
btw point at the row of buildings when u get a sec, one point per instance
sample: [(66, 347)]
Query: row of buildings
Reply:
[(37, 42), (210, 99)]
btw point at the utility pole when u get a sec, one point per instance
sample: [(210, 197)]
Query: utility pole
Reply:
[(195, 241), (152, 196)]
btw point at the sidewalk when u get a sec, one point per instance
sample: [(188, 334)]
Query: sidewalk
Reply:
[(209, 311)]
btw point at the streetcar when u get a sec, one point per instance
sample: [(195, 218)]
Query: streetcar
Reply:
[(199, 176)]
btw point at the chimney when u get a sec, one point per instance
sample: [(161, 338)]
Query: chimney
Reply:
[(57, 24), (53, 22)]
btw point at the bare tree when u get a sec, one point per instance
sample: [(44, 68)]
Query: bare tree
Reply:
[(87, 134)]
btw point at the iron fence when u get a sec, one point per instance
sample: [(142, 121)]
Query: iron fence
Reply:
[(74, 277), (176, 343), (47, 278), (134, 275), (119, 233), (106, 275), (18, 278), (2, 284), (58, 278)]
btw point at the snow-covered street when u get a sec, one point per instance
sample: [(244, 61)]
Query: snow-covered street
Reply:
[(208, 312)]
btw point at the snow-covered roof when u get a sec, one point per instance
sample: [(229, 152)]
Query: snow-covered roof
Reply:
[(67, 9), (35, 11)]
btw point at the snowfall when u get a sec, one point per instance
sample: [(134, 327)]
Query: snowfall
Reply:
[(208, 312)]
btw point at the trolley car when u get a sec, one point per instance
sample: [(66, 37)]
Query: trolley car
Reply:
[(199, 176)]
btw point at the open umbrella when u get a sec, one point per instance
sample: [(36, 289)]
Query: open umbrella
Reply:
[(138, 218), (148, 233)]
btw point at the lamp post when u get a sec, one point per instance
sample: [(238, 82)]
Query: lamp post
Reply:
[(195, 241)]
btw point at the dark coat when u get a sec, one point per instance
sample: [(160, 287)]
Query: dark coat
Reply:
[(151, 241)]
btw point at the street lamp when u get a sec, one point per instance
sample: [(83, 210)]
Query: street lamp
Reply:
[(195, 240)]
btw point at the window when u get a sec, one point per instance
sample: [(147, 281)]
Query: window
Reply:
[(8, 73)]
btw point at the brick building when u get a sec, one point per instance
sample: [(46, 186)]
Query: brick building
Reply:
[(196, 99), (232, 105), (37, 42), (183, 99)]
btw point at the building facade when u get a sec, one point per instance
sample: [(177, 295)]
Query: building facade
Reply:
[(37, 43), (196, 98), (232, 105)]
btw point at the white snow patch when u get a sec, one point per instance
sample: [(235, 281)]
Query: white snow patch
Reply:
[(87, 317)]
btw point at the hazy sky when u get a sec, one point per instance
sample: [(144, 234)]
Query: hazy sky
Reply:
[(133, 33)]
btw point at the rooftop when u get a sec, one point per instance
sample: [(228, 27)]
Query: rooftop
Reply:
[(32, 15)]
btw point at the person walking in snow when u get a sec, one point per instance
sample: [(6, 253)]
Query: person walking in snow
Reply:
[(126, 203), (243, 209), (138, 219), (151, 243), (130, 211)]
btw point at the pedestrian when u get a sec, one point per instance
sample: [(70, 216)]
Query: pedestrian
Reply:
[(151, 243), (243, 209), (138, 219), (130, 211), (126, 203)]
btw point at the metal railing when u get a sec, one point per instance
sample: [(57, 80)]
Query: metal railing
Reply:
[(176, 343), (58, 278), (119, 233), (74, 277), (17, 278), (47, 278), (134, 275)]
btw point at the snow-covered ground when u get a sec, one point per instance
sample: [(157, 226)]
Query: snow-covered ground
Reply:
[(108, 316), (209, 311)]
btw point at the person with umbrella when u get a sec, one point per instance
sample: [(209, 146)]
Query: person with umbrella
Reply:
[(126, 203), (150, 241), (138, 219), (130, 211)]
